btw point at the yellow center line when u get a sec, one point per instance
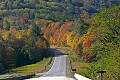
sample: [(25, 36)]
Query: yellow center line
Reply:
[(51, 78), (59, 64)]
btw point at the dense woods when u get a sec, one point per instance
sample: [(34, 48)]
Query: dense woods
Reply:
[(21, 47), (29, 27), (50, 9)]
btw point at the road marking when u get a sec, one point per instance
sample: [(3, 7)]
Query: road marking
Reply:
[(59, 64)]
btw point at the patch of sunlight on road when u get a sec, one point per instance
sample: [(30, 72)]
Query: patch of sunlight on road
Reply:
[(51, 78)]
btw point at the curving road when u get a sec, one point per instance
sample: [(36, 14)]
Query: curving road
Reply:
[(58, 70)]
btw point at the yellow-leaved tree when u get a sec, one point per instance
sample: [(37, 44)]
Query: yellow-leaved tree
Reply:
[(20, 34)]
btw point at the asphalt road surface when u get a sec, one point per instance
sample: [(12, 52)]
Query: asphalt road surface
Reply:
[(58, 69)]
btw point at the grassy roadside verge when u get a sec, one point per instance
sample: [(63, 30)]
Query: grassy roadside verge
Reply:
[(27, 70), (38, 67)]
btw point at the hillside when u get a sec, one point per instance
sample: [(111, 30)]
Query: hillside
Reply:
[(89, 27), (50, 9)]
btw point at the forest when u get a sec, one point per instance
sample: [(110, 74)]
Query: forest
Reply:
[(90, 27)]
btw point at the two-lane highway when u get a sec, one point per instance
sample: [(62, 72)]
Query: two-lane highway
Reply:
[(59, 65), (58, 69)]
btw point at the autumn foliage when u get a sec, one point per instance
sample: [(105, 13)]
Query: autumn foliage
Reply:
[(61, 34)]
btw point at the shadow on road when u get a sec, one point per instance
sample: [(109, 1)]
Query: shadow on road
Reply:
[(57, 52)]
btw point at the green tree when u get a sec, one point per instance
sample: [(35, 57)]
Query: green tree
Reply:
[(34, 30), (6, 25), (79, 26)]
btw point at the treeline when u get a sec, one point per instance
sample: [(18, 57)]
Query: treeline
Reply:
[(20, 47), (74, 34), (95, 40)]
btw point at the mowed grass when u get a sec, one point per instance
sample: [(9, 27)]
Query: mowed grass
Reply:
[(29, 69), (81, 68)]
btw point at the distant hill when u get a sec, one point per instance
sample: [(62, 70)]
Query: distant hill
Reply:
[(50, 9)]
